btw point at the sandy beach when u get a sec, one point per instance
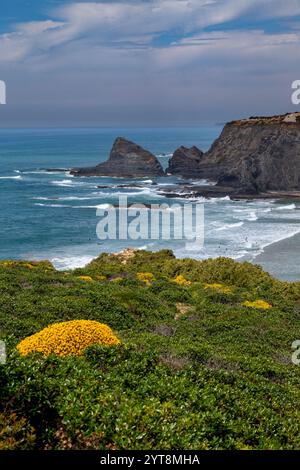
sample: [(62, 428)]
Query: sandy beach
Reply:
[(282, 259)]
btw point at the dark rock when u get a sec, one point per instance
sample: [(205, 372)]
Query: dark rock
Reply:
[(127, 160), (57, 170), (256, 155), (185, 162)]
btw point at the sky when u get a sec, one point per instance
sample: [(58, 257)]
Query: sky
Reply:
[(146, 62)]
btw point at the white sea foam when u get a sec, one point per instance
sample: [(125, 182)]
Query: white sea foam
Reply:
[(97, 206), (50, 205), (63, 183), (218, 199), (229, 226), (289, 207), (164, 155), (34, 172), (246, 215), (204, 182), (19, 177), (71, 261)]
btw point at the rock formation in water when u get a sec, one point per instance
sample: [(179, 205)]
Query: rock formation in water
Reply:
[(127, 160), (185, 162), (251, 156)]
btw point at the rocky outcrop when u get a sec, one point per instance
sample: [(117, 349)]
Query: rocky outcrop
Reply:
[(251, 156), (256, 155), (127, 160), (185, 162)]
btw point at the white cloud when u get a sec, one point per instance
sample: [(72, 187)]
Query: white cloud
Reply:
[(239, 48), (109, 54), (115, 23)]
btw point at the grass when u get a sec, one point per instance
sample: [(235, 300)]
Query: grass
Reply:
[(197, 368)]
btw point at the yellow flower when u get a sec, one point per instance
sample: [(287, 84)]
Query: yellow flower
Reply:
[(259, 304), (219, 288), (69, 338), (28, 265), (86, 278), (17, 264), (181, 281), (5, 263), (117, 279), (147, 278), (100, 278)]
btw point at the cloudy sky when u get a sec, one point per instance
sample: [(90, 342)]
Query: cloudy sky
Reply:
[(146, 62)]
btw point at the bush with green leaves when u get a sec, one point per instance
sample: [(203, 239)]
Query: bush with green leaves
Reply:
[(196, 369)]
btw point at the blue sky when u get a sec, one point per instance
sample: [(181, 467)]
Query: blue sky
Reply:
[(151, 62)]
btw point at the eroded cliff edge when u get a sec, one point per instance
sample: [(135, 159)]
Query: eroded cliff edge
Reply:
[(256, 155)]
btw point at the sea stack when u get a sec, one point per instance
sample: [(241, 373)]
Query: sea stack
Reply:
[(256, 155), (185, 162), (127, 160)]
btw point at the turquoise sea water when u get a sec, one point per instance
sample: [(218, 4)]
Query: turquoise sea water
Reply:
[(53, 215)]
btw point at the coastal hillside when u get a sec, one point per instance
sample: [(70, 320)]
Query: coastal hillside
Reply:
[(188, 355)]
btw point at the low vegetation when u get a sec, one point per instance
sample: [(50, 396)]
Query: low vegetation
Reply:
[(201, 356)]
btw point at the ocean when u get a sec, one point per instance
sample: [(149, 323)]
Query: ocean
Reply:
[(52, 215)]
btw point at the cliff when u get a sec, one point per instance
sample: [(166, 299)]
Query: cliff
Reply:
[(256, 154), (127, 160)]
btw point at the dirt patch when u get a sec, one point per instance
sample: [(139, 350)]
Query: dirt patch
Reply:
[(220, 364), (120, 276), (174, 362), (164, 330), (26, 285), (287, 361), (182, 310)]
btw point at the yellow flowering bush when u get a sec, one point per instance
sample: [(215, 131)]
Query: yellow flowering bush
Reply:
[(259, 304), (219, 288), (86, 278), (28, 266), (181, 281), (100, 278), (147, 278), (117, 279), (17, 264), (69, 338)]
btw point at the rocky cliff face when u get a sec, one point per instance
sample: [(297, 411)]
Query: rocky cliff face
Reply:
[(127, 160), (185, 162), (256, 155)]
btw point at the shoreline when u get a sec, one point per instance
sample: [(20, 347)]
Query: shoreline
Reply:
[(283, 253), (191, 191)]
